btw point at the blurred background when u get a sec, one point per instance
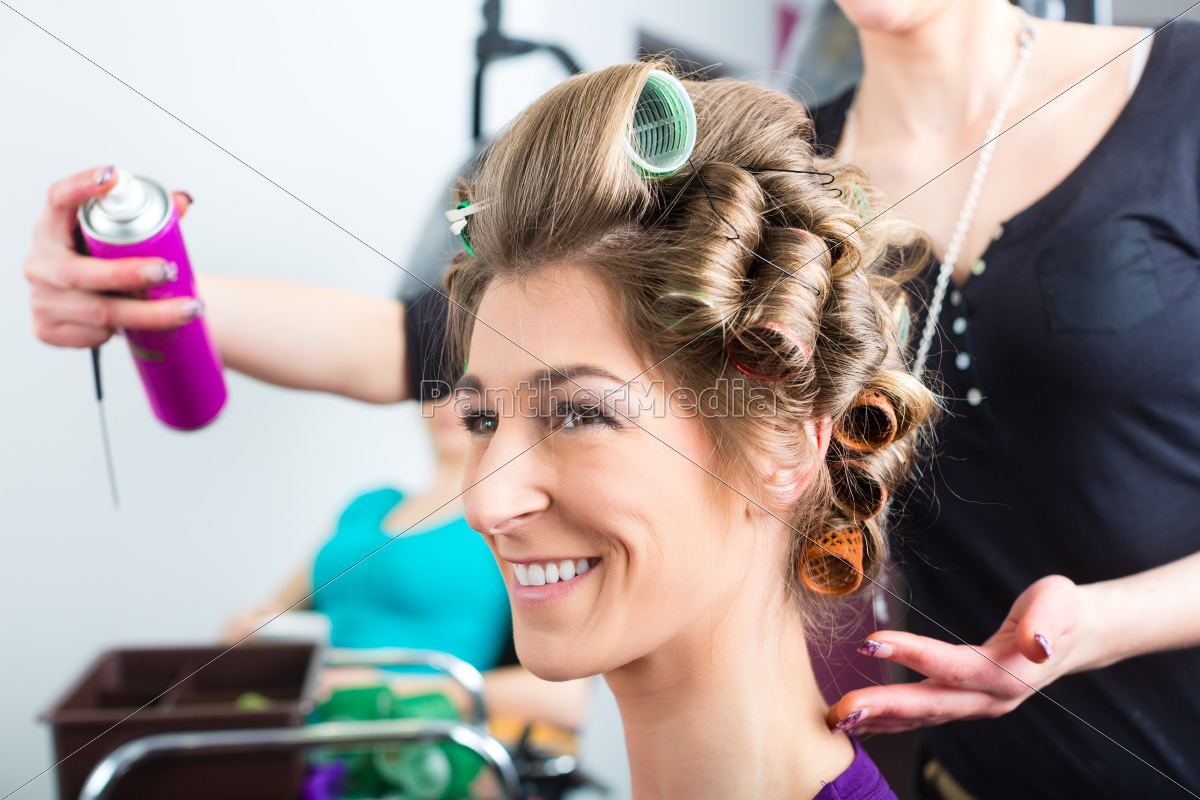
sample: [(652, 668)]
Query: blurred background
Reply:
[(362, 109)]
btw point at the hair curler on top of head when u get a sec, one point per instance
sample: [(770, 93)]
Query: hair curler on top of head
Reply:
[(662, 133)]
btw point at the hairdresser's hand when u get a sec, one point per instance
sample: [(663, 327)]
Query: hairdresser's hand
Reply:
[(68, 300), (1048, 633)]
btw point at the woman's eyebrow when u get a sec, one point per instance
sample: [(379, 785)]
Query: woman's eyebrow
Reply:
[(549, 378), (564, 374), (468, 383), (554, 376)]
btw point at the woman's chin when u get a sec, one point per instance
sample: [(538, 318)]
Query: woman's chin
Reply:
[(556, 658), (553, 666)]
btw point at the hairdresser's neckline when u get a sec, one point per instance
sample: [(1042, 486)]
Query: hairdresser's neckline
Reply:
[(1061, 193)]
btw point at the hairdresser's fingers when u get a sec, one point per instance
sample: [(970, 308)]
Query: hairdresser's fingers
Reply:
[(57, 220), (956, 665), (70, 334), (906, 706), (54, 308), (68, 270), (995, 667), (182, 201)]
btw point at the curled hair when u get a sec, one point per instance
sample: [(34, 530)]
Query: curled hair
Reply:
[(701, 264)]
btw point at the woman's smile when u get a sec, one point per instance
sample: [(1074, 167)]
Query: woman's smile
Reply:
[(539, 581), (542, 572)]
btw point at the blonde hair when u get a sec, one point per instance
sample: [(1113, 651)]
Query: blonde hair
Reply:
[(688, 255)]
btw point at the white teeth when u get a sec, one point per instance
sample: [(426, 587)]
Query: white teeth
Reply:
[(550, 572)]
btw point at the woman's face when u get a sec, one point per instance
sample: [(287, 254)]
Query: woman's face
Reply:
[(559, 482)]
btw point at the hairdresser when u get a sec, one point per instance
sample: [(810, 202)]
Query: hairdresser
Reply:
[(1057, 530)]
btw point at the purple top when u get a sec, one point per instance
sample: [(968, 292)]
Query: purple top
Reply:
[(861, 781)]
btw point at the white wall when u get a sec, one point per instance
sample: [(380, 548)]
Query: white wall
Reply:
[(362, 109)]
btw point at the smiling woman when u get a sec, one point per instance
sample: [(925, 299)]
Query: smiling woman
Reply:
[(663, 376)]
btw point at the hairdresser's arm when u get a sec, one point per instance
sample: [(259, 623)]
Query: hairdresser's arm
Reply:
[(309, 337), (1084, 627), (289, 334)]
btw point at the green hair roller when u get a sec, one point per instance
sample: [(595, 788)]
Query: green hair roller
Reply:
[(662, 134)]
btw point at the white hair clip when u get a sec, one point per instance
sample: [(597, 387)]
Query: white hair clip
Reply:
[(458, 220), (458, 215)]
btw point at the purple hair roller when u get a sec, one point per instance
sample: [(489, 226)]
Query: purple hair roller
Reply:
[(180, 368)]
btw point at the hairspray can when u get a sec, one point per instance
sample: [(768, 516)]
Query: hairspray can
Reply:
[(180, 368)]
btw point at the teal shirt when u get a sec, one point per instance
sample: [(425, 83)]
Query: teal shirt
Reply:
[(436, 589)]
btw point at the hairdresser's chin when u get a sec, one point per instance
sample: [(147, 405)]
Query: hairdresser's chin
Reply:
[(892, 16)]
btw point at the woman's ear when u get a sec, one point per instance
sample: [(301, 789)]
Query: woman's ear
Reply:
[(820, 431), (785, 484)]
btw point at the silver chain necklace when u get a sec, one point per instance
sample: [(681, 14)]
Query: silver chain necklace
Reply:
[(1025, 39)]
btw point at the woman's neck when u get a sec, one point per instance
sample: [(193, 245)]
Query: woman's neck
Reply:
[(730, 709), (939, 76)]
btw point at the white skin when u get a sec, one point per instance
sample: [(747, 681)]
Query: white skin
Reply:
[(934, 73), (686, 608)]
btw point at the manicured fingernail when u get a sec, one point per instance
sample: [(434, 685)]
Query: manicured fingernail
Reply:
[(878, 649), (189, 197), (162, 272), (851, 719), (192, 309), (1043, 643), (102, 175)]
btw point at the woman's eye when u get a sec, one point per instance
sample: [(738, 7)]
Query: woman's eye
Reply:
[(574, 416), (481, 423)]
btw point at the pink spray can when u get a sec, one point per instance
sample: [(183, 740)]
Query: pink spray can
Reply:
[(180, 368)]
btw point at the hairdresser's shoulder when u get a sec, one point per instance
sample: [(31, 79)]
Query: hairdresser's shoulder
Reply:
[(1182, 42)]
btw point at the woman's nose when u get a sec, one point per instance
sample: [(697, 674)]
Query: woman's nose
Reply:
[(505, 486)]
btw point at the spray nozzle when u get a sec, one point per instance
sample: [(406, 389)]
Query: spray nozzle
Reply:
[(126, 199), (663, 132)]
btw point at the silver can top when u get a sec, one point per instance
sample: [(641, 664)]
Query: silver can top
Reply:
[(132, 211)]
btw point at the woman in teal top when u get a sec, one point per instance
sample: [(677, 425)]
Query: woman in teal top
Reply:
[(435, 587), (409, 572)]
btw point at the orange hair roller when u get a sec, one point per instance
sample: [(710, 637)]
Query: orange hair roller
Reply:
[(832, 563), (856, 491), (869, 423)]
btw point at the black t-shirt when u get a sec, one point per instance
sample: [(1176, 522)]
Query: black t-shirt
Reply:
[(427, 345), (1072, 443)]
